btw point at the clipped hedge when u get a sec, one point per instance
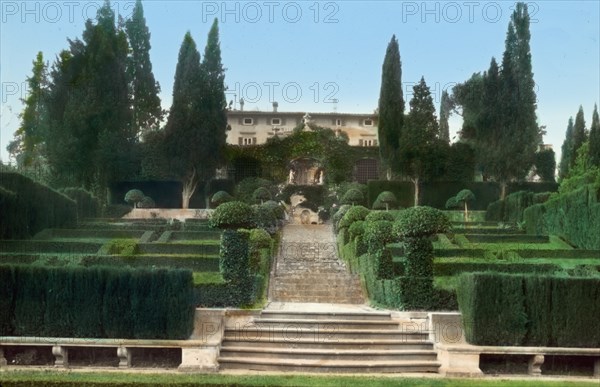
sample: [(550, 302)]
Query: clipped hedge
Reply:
[(233, 215), (354, 214), (511, 209), (525, 310), (32, 208), (96, 302), (574, 216)]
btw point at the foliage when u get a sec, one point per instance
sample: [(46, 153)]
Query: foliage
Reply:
[(355, 213), (233, 215), (339, 214), (567, 153), (246, 188), (32, 207), (88, 206), (123, 247), (97, 302), (594, 147), (220, 197), (391, 105), (579, 135), (445, 112), (134, 196), (421, 222), (276, 208), (352, 196), (314, 195), (374, 216), (147, 202), (582, 173), (512, 208), (261, 194), (234, 264), (388, 199), (452, 202), (146, 111), (545, 165), (265, 218), (575, 216), (529, 310)]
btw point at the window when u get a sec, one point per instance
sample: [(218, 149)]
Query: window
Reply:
[(368, 122), (338, 122), (367, 142), (248, 121), (247, 140), (275, 121)]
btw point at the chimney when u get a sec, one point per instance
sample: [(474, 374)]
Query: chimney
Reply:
[(275, 105), (241, 104)]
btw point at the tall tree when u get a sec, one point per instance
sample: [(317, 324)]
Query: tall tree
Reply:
[(419, 137), (90, 118), (391, 106), (567, 155), (146, 111), (183, 131), (595, 138), (445, 111), (27, 147), (579, 133)]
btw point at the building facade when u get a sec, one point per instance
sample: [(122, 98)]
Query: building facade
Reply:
[(256, 127)]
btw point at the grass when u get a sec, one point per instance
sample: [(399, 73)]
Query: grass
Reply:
[(22, 378), (208, 277)]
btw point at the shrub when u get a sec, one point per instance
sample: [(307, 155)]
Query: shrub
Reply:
[(353, 196), (220, 197), (374, 216), (277, 208), (377, 205), (233, 215), (260, 239), (388, 199), (378, 234), (265, 218), (116, 211), (123, 247), (352, 215), (339, 214), (357, 228), (246, 188), (234, 263), (147, 202), (261, 194), (421, 222), (134, 196)]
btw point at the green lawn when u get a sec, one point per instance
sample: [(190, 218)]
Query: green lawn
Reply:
[(208, 277), (81, 379)]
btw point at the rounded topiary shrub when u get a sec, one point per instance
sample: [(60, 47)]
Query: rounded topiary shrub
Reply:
[(353, 196), (265, 218), (421, 221), (233, 215), (277, 208), (378, 234), (134, 196), (261, 194), (353, 214), (220, 197), (147, 202), (379, 215), (388, 199), (339, 213), (357, 228)]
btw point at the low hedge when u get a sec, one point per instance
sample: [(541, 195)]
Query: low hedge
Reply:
[(503, 238), (35, 246), (525, 310), (96, 302), (559, 254), (191, 262), (179, 248)]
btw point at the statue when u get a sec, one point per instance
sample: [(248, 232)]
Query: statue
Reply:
[(291, 177), (321, 177)]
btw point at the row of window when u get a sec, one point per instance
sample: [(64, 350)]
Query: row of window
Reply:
[(253, 141), (278, 121)]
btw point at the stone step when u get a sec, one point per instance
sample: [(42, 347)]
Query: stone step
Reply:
[(327, 354), (363, 316), (325, 342), (332, 366), (329, 325), (291, 333)]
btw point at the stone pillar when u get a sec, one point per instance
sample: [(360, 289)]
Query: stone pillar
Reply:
[(596, 367), (208, 330), (61, 355), (535, 365), (124, 355)]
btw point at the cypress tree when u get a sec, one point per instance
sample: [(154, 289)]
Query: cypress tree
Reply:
[(595, 138), (391, 106), (183, 130), (146, 110), (445, 108), (579, 134), (567, 155)]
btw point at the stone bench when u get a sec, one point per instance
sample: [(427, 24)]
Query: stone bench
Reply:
[(195, 354), (463, 359)]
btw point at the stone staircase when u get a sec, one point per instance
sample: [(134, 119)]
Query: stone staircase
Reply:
[(309, 270), (339, 342)]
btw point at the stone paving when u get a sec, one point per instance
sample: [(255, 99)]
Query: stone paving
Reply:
[(309, 270)]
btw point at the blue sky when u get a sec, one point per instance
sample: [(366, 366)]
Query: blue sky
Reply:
[(323, 56)]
